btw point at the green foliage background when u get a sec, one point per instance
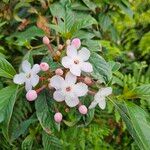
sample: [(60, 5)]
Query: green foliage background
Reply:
[(119, 31)]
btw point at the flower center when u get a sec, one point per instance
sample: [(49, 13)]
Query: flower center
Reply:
[(28, 75), (68, 89), (76, 62)]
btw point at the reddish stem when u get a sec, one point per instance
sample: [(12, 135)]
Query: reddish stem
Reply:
[(40, 89)]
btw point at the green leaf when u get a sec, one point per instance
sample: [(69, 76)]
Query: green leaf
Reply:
[(105, 21), (50, 142), (7, 101), (125, 6), (6, 69), (28, 142), (115, 66), (143, 91), (137, 122), (101, 69), (44, 112)]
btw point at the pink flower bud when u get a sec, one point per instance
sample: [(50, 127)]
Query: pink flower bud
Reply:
[(68, 42), (60, 47), (76, 42), (83, 109), (31, 95), (88, 80), (59, 72), (44, 66), (58, 117), (46, 40)]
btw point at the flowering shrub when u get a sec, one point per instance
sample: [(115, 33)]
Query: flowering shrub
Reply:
[(70, 83), (74, 74)]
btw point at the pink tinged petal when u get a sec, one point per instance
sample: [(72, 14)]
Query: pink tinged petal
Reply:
[(34, 80), (58, 96), (26, 66), (19, 78), (66, 62), (76, 42), (80, 89), (86, 67), (28, 85), (106, 91), (102, 103), (84, 54), (71, 51), (71, 101), (93, 104), (36, 69), (57, 82), (75, 70), (70, 78)]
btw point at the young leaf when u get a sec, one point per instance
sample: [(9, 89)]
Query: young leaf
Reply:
[(6, 69)]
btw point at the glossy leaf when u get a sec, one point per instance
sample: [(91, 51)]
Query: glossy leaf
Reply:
[(6, 69)]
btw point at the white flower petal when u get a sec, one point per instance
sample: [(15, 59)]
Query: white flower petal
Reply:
[(105, 91), (75, 70), (36, 69), (57, 82), (86, 67), (28, 85), (66, 62), (19, 78), (93, 104), (84, 54), (102, 103), (80, 89), (71, 101), (58, 96), (70, 78), (26, 66), (71, 51), (34, 80)]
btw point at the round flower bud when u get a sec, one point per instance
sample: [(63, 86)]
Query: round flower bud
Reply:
[(83, 109), (58, 53), (76, 42), (60, 47), (59, 72), (88, 80), (44, 66), (68, 42), (31, 95), (58, 117), (46, 40)]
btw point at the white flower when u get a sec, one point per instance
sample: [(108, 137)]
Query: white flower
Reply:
[(28, 76), (77, 61), (67, 90), (99, 98)]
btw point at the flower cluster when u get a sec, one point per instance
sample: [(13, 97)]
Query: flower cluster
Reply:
[(69, 83)]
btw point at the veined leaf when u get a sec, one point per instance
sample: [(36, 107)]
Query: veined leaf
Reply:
[(143, 91), (101, 69), (44, 112), (50, 142), (137, 122), (28, 142), (6, 69), (7, 101)]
